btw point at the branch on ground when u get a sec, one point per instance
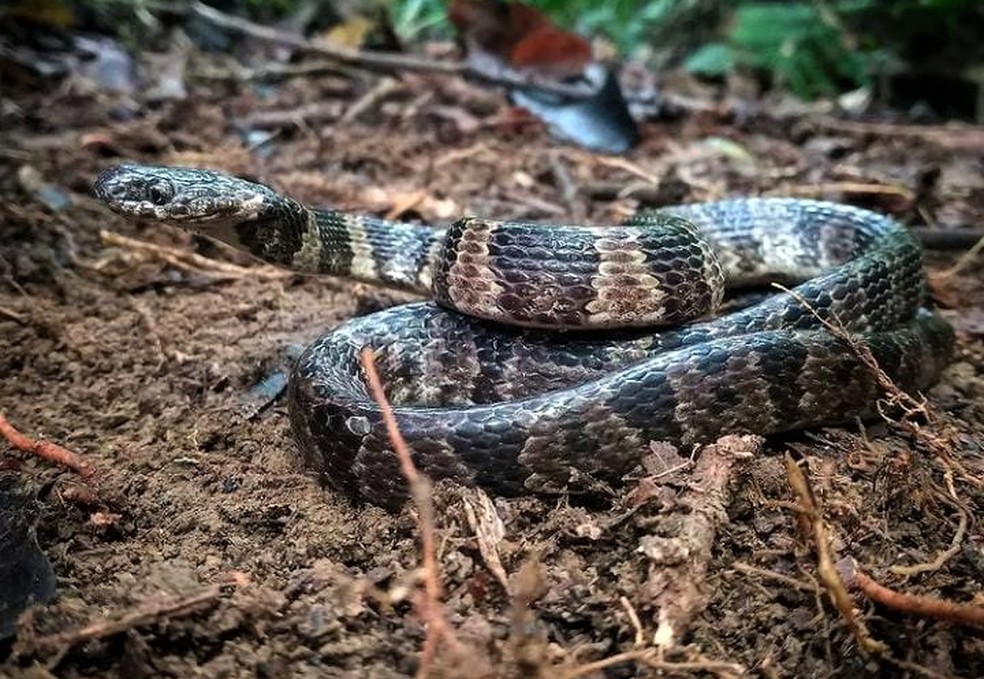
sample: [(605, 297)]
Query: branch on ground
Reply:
[(430, 609), (385, 61), (58, 645), (815, 529), (180, 258), (46, 450), (913, 409), (680, 584), (914, 604)]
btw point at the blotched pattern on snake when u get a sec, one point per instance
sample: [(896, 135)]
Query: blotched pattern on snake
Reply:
[(536, 366)]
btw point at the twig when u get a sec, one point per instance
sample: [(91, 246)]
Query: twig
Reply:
[(12, 315), (865, 188), (948, 239), (47, 451), (966, 138), (381, 60), (298, 116), (644, 192), (946, 554), (183, 259), (965, 259), (681, 581), (749, 569), (274, 71), (458, 155), (565, 183), (915, 604), (618, 163), (640, 635), (387, 61), (911, 408), (650, 657), (380, 91), (60, 644), (489, 532), (829, 576), (432, 610)]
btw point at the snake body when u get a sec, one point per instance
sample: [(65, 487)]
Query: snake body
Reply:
[(485, 394)]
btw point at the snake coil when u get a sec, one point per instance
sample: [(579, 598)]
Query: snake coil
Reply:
[(508, 404)]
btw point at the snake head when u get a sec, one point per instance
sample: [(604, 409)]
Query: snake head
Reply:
[(199, 200)]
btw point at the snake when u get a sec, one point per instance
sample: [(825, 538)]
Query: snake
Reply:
[(549, 357)]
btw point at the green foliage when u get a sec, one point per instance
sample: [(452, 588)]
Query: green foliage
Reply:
[(712, 59), (410, 17), (821, 48), (813, 47), (804, 48), (627, 23), (630, 24)]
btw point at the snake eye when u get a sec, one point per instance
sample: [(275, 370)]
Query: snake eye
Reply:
[(160, 193)]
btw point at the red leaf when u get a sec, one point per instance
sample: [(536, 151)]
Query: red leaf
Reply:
[(519, 36)]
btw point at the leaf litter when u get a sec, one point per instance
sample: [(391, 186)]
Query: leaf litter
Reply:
[(210, 550)]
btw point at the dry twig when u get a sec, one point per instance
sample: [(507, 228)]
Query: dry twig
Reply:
[(294, 117), (150, 612), (182, 259), (47, 450), (489, 532), (830, 578), (566, 186), (955, 238), (864, 188), (914, 604), (946, 554), (640, 635), (651, 658), (793, 583), (616, 162), (370, 99), (680, 580), (431, 609), (386, 61), (912, 410), (965, 138), (966, 259), (12, 315)]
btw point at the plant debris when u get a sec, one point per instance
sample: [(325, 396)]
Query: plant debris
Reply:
[(139, 344)]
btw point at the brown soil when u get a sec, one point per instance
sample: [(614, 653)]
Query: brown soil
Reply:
[(146, 367)]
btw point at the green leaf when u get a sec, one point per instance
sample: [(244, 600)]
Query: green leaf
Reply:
[(713, 59)]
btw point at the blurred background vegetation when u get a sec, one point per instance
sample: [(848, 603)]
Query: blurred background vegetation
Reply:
[(812, 48)]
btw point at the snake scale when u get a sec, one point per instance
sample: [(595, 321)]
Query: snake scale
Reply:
[(538, 364)]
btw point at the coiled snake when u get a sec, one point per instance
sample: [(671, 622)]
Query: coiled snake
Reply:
[(507, 407)]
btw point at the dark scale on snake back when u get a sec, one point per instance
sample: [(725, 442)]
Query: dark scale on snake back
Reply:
[(511, 409), (783, 395), (687, 272), (336, 252), (562, 276), (277, 236)]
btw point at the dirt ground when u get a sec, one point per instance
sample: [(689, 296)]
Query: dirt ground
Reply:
[(209, 551)]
